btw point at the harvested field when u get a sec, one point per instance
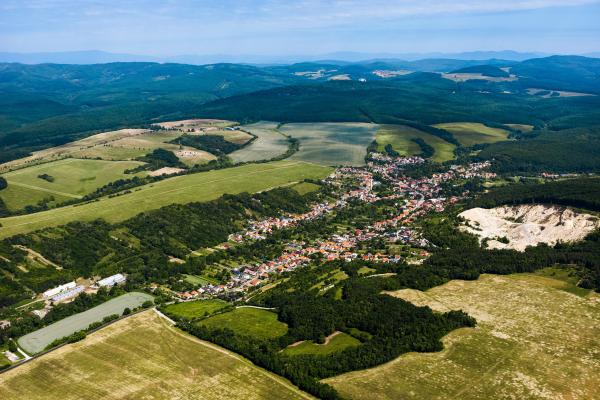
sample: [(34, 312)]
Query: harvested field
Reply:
[(469, 134), (192, 122), (331, 144), (141, 357), (532, 341), (534, 91), (38, 340), (165, 170), (462, 77), (528, 225), (269, 144), (182, 189), (249, 321), (399, 136)]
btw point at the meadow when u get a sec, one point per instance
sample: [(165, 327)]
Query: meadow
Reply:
[(534, 339), (468, 133), (249, 321), (37, 341), (195, 309), (399, 136), (181, 189), (269, 144), (332, 144), (141, 357), (73, 178), (337, 343)]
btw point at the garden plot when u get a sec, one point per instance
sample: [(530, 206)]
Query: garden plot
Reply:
[(332, 144)]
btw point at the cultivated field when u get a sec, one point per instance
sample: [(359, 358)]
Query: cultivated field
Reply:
[(195, 122), (38, 340), (462, 77), (534, 340), (249, 321), (332, 144), (141, 357), (399, 136), (337, 343), (468, 133), (182, 189), (268, 145), (195, 309), (522, 128), (533, 91), (73, 178)]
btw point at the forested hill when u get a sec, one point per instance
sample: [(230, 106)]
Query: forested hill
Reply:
[(424, 98)]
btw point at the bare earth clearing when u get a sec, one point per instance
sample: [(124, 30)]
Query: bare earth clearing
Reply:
[(165, 170), (467, 76), (562, 93), (190, 122), (141, 357), (528, 225), (533, 341)]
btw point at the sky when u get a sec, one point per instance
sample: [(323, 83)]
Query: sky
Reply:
[(309, 27)]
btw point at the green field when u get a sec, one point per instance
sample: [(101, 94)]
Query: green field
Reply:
[(73, 178), (332, 144), (337, 343), (196, 280), (268, 145), (249, 321), (141, 357), (183, 189), (468, 134), (305, 187), (399, 136), (195, 309), (534, 340), (37, 341)]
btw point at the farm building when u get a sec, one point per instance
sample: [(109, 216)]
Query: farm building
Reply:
[(67, 293), (56, 290), (111, 280)]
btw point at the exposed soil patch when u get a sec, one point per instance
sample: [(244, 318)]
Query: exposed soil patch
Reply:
[(165, 170), (528, 225)]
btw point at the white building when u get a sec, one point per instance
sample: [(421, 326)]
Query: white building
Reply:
[(62, 288), (112, 280), (66, 293)]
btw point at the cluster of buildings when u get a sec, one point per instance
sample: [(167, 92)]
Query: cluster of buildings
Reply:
[(187, 153)]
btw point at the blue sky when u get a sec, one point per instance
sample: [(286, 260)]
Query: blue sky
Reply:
[(275, 27)]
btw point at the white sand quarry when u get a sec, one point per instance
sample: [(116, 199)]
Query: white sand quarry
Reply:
[(528, 225)]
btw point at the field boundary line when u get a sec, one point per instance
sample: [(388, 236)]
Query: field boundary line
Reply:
[(45, 190), (137, 199)]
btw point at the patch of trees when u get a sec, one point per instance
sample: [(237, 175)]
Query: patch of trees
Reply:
[(3, 183), (159, 158), (214, 144), (46, 177), (427, 150)]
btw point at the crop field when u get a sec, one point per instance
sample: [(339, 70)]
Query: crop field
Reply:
[(195, 309), (73, 178), (522, 128), (465, 76), (332, 144), (337, 343), (37, 341), (268, 145), (468, 134), (141, 357), (182, 189), (399, 136), (249, 321), (534, 339)]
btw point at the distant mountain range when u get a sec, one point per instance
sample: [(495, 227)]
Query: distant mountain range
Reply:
[(100, 57)]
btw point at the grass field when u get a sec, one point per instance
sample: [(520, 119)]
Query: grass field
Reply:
[(532, 341), (195, 309), (196, 280), (337, 343), (38, 340), (268, 145), (399, 136), (332, 144), (73, 178), (468, 134), (183, 189), (305, 187), (142, 358), (249, 321)]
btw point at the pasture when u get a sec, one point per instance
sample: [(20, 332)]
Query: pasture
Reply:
[(534, 339), (468, 133), (305, 187), (332, 144), (141, 357), (337, 343), (399, 136), (73, 178), (181, 189), (249, 321), (268, 145), (37, 341), (196, 280), (195, 309)]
